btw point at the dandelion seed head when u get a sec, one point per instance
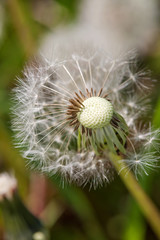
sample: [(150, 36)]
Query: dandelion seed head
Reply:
[(8, 185), (129, 23), (68, 117)]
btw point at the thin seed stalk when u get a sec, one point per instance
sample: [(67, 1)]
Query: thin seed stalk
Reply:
[(148, 208)]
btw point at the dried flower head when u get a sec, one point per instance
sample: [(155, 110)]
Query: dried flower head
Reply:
[(70, 114)]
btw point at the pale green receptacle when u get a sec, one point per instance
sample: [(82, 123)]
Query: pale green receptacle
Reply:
[(96, 113)]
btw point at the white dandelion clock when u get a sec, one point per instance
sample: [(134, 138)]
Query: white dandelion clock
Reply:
[(68, 116)]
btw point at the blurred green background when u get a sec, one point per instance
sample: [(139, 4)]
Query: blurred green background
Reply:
[(69, 212)]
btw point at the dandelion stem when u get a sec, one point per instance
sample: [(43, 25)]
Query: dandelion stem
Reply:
[(21, 27), (147, 206)]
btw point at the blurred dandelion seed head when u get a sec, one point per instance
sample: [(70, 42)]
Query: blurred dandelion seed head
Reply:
[(39, 236), (68, 115), (128, 23), (8, 184)]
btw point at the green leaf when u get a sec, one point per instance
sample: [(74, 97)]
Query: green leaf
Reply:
[(156, 117)]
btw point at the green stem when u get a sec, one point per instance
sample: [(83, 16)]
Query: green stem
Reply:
[(21, 27), (147, 206)]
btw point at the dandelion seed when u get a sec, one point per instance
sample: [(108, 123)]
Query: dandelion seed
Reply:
[(150, 137), (70, 114), (142, 163)]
